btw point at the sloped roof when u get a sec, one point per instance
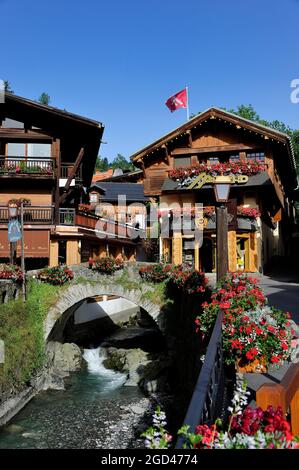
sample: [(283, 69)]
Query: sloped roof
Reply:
[(133, 191), (211, 113), (128, 175), (51, 110), (102, 175)]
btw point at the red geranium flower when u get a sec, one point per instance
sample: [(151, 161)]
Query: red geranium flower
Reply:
[(225, 305)]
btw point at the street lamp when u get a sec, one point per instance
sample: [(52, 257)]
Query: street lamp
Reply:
[(12, 214), (221, 189)]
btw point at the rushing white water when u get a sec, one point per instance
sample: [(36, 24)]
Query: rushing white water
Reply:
[(95, 359)]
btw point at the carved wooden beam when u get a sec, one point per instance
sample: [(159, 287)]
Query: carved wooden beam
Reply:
[(218, 148), (189, 138), (164, 146), (23, 134)]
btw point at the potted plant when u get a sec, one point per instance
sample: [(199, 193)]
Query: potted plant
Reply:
[(17, 202)]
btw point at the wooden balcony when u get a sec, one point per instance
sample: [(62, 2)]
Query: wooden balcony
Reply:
[(33, 215), (93, 222), (66, 169), (33, 167), (67, 216)]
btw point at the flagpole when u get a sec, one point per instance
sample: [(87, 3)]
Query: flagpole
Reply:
[(187, 108)]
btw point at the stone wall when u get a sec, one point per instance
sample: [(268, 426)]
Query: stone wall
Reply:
[(75, 295), (9, 290)]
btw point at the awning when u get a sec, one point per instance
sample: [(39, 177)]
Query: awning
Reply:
[(37, 244)]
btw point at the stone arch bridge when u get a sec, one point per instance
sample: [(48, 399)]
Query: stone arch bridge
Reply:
[(87, 284)]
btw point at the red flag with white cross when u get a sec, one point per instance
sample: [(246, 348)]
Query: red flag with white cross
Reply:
[(179, 100)]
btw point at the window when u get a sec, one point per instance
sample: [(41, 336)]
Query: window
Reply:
[(93, 197), (259, 156), (30, 151), (250, 198), (213, 160), (16, 150), (182, 161), (234, 158), (39, 150)]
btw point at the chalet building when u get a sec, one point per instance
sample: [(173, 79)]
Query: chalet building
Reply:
[(134, 176), (118, 175), (124, 203), (47, 158), (260, 209)]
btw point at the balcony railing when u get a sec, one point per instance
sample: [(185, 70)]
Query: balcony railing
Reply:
[(30, 167), (207, 402), (92, 221), (66, 170), (33, 215), (67, 216)]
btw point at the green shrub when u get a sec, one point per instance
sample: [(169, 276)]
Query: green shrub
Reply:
[(22, 330), (106, 265), (57, 276)]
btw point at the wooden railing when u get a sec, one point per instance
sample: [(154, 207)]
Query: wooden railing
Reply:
[(66, 169), (31, 166), (284, 394), (207, 399), (69, 216), (108, 226), (33, 215)]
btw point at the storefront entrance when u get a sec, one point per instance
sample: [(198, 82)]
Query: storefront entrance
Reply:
[(207, 255), (243, 253)]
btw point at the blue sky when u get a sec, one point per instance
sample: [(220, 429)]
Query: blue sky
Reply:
[(118, 61)]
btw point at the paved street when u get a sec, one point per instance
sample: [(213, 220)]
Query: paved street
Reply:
[(282, 291), (282, 294)]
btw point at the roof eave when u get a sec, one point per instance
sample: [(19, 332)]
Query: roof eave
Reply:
[(213, 111), (54, 111)]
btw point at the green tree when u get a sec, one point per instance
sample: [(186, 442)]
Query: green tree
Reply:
[(7, 86), (101, 164), (248, 112), (44, 99), (121, 162)]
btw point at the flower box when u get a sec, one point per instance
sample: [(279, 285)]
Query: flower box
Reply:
[(257, 366), (251, 329)]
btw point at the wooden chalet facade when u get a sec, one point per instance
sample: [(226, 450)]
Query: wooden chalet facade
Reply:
[(260, 210), (47, 157)]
